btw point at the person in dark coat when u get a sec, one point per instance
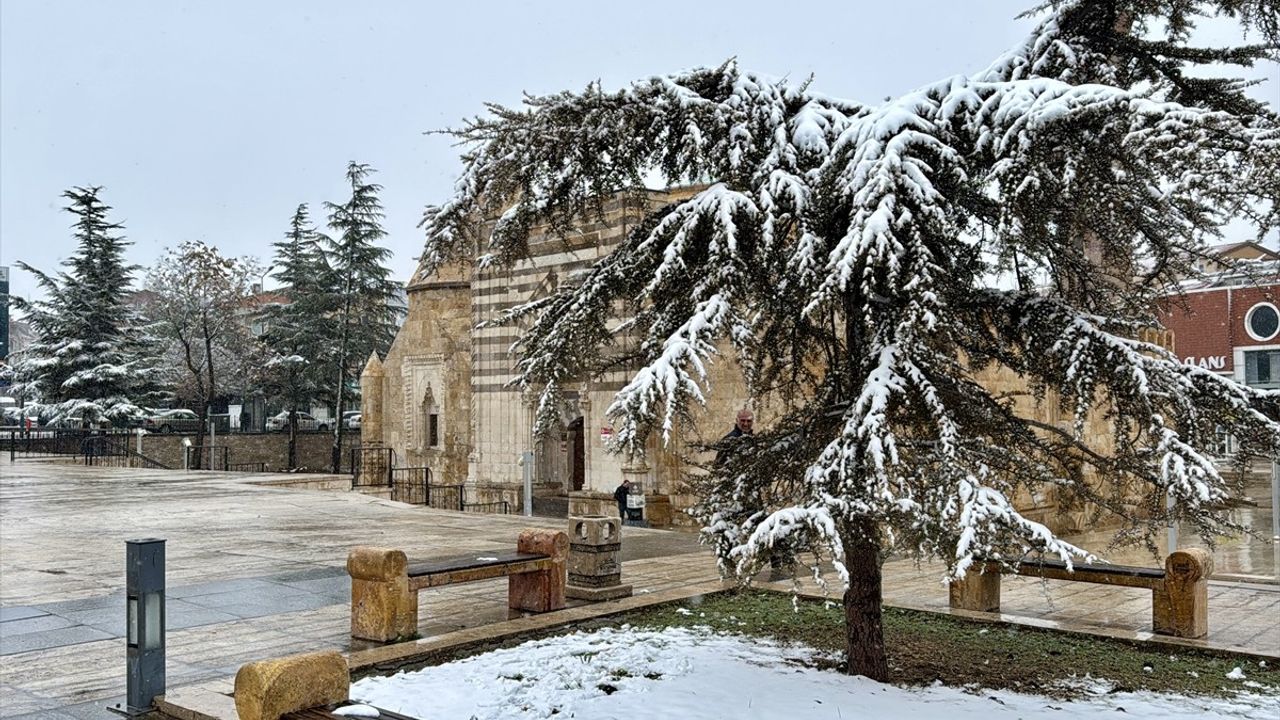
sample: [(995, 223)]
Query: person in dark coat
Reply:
[(744, 426), (620, 495)]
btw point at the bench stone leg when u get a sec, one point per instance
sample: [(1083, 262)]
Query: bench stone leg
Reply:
[(978, 591), (267, 689), (541, 591), (383, 607), (1181, 606)]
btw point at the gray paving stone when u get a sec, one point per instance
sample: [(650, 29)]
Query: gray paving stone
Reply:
[(109, 620), (248, 607), (114, 600), (180, 615), (316, 573), (95, 710), (19, 613), (39, 623), (340, 585), (220, 587), (73, 635), (58, 714)]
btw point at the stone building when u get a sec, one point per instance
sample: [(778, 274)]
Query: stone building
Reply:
[(444, 402)]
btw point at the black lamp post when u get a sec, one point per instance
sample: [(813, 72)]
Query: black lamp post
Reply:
[(144, 571)]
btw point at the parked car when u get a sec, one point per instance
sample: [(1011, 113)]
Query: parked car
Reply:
[(351, 420), (280, 423), (179, 420)]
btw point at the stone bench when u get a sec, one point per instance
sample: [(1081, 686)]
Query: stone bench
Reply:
[(384, 585), (297, 687), (1179, 591)]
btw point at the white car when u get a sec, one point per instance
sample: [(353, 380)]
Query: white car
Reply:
[(280, 423), (351, 420)]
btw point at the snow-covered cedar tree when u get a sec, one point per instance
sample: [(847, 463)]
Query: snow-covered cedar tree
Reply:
[(90, 360), (867, 262), (366, 299), (199, 302), (300, 333)]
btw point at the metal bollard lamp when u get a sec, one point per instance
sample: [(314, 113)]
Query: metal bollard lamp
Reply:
[(145, 625)]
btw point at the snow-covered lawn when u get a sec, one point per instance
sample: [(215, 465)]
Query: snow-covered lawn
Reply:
[(695, 673)]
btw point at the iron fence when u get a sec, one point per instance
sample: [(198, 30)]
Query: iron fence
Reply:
[(26, 443), (498, 507), (371, 466), (114, 451), (209, 457), (247, 467), (411, 485)]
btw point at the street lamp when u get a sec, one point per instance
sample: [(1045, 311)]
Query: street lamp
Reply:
[(144, 624)]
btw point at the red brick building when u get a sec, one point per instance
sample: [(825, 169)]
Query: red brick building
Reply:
[(1229, 322)]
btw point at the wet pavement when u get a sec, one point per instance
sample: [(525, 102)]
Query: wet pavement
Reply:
[(257, 570)]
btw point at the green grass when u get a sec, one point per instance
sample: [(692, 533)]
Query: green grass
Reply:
[(925, 647), (928, 647)]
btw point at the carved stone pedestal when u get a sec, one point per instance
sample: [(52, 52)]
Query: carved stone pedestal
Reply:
[(595, 568)]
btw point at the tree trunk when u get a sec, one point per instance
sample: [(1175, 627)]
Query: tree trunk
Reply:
[(293, 438), (342, 379), (864, 631)]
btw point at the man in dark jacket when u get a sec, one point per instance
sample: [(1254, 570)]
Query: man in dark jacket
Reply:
[(744, 426), (620, 495)]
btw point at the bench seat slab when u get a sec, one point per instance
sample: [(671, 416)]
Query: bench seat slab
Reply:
[(442, 574)]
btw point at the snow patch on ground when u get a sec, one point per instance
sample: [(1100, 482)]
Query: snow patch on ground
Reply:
[(694, 673)]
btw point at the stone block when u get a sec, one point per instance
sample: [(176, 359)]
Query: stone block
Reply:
[(595, 530), (268, 689), (594, 564), (595, 568), (978, 591), (615, 591), (541, 591), (658, 511), (383, 606), (1181, 607), (376, 563)]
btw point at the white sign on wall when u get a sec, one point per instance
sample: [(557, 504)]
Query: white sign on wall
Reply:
[(1209, 362)]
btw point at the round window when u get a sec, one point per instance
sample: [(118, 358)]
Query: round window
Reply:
[(1263, 321)]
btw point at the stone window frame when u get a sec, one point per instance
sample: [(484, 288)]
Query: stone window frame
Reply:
[(432, 435), (1248, 321)]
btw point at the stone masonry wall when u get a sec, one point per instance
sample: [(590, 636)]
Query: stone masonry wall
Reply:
[(272, 449)]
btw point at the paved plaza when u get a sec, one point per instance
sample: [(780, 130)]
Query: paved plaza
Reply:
[(256, 570)]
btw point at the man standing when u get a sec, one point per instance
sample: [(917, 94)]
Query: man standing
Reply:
[(620, 495), (744, 426)]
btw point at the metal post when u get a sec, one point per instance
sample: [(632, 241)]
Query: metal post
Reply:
[(213, 441), (526, 461), (144, 623), (1275, 502)]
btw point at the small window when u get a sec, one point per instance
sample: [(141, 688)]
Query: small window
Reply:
[(433, 430), (1262, 368), (1262, 321)]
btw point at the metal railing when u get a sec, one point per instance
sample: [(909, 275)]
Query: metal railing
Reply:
[(114, 451), (256, 467), (209, 457), (411, 485), (371, 466), (498, 507), (24, 443)]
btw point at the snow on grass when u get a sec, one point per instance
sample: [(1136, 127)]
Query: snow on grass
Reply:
[(694, 673)]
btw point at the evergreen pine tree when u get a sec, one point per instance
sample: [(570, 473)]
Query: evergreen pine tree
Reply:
[(91, 360), (299, 334), (866, 263), (366, 299)]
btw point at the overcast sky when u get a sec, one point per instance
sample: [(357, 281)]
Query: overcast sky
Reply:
[(212, 121)]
